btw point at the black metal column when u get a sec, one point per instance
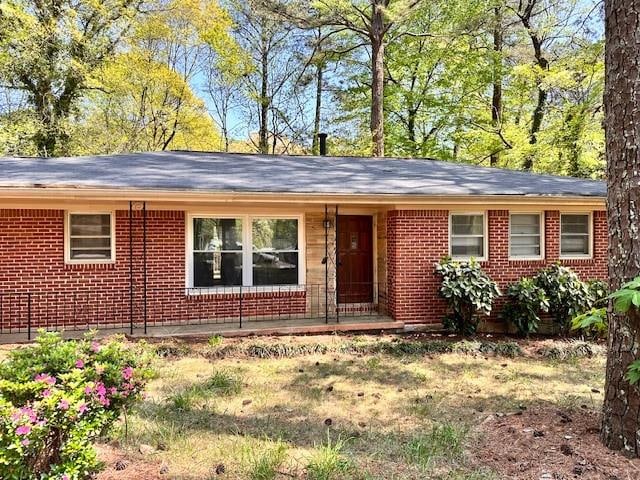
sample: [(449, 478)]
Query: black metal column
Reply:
[(326, 264), (337, 267), (144, 261), (131, 267)]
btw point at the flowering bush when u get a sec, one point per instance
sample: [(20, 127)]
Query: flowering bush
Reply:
[(57, 396)]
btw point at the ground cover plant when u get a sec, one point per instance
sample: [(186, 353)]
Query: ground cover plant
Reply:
[(361, 407)]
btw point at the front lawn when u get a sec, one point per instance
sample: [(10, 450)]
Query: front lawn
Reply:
[(363, 408)]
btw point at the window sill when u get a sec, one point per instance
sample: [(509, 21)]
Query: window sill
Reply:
[(101, 265), (196, 291)]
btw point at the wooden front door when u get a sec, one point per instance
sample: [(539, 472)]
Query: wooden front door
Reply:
[(355, 259)]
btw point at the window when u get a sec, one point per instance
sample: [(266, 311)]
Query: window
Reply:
[(525, 237), (244, 250), (575, 233), (90, 238), (467, 236), (217, 252), (275, 251)]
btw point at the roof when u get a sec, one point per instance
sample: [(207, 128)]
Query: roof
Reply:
[(253, 173)]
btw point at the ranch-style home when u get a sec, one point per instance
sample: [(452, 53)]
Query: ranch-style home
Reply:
[(172, 242)]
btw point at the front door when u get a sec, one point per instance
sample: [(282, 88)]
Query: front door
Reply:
[(355, 259)]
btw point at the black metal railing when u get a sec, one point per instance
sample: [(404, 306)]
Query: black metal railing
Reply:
[(139, 309)]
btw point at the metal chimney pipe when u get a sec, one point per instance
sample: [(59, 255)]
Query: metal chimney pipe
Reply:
[(323, 143)]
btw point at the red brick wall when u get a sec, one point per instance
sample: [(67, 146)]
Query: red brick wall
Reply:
[(32, 260), (418, 239)]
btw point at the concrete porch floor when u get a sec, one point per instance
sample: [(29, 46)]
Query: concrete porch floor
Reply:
[(297, 326)]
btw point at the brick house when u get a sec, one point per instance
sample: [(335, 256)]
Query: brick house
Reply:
[(230, 241)]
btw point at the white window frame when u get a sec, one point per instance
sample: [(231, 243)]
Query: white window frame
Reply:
[(541, 216), (247, 253), (589, 237), (485, 239), (67, 237)]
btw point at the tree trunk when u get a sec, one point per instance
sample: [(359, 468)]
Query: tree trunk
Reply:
[(496, 97), (315, 148), (377, 78), (621, 410), (263, 144)]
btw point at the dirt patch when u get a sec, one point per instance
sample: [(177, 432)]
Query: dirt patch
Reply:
[(547, 443), (122, 466)]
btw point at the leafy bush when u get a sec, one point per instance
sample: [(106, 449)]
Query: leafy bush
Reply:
[(568, 295), (57, 396), (468, 291), (524, 303), (593, 323)]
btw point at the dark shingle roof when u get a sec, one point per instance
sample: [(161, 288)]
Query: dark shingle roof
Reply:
[(232, 172)]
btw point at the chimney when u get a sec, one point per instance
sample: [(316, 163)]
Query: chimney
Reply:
[(323, 143)]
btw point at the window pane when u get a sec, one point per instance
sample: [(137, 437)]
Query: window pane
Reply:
[(467, 224), (467, 246), (217, 269), (275, 234), (525, 251), (90, 225), (525, 224), (575, 224), (100, 243), (279, 268), (574, 245), (216, 234), (90, 254)]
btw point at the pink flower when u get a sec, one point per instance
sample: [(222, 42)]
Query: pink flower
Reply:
[(43, 377), (29, 412), (16, 416), (104, 401), (46, 393), (95, 347), (64, 477), (79, 363), (87, 390), (23, 430), (113, 390), (127, 373), (82, 408), (25, 442), (63, 404), (100, 390)]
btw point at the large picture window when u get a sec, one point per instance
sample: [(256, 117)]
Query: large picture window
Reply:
[(467, 236), (217, 252), (245, 250), (90, 237), (525, 236), (275, 251), (575, 235)]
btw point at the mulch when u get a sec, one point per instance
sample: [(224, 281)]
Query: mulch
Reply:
[(549, 444)]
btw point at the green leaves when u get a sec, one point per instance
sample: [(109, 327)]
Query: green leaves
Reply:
[(633, 373), (468, 290), (526, 301), (627, 296)]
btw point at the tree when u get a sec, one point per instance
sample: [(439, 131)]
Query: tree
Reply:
[(50, 50), (622, 116)]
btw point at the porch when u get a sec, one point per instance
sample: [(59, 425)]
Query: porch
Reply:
[(226, 311)]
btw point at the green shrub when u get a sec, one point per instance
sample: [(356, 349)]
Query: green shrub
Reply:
[(568, 295), (57, 396), (468, 291), (592, 323), (525, 301)]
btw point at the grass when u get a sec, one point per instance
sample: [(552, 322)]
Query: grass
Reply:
[(354, 408)]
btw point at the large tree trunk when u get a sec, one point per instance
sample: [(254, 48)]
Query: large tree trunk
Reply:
[(263, 144), (496, 97), (377, 77), (621, 411), (315, 148)]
